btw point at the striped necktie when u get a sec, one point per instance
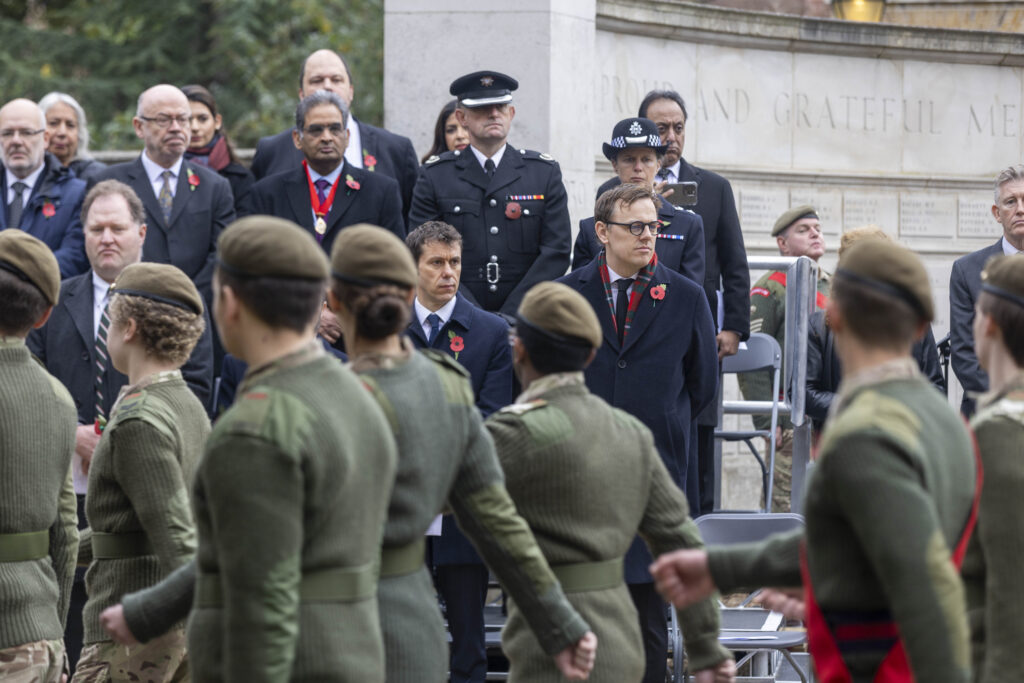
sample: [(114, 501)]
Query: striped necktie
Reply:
[(165, 197), (102, 360)]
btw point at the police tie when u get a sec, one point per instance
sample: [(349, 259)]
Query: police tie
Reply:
[(165, 197), (17, 205), (622, 306), (102, 359), (489, 168), (435, 327)]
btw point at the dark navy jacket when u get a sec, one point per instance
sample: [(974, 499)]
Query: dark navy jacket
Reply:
[(680, 244), (964, 287), (665, 373), (375, 201), (57, 190), (487, 356)]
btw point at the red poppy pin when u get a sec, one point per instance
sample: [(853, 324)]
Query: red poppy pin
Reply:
[(513, 210), (351, 182), (193, 179), (457, 343), (658, 293), (369, 161), (49, 209), (100, 425)]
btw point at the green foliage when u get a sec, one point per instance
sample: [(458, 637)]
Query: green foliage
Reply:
[(247, 52)]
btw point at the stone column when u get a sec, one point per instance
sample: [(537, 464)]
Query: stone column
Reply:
[(547, 45)]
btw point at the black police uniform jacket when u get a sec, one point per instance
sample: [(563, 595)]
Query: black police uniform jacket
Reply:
[(503, 255)]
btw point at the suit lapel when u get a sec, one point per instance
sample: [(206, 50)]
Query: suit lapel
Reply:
[(470, 169), (182, 192), (139, 182), (645, 310), (592, 290), (344, 196), (79, 303), (416, 331), (368, 141), (297, 190), (508, 171)]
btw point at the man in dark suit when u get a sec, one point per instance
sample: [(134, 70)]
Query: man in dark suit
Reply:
[(40, 196), (369, 148), (187, 205), (509, 204), (658, 361), (115, 230), (965, 283), (636, 153), (725, 257), (478, 340)]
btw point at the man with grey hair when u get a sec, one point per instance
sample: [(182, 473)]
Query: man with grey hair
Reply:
[(40, 196), (965, 282), (70, 344), (187, 205)]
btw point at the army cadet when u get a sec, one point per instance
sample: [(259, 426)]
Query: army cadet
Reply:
[(137, 502), (890, 499), (991, 570), (444, 457), (558, 445), (38, 523), (797, 233), (509, 204)]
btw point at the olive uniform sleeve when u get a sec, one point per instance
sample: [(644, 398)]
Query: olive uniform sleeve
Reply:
[(152, 612), (254, 494), (747, 566), (486, 513), (768, 316), (64, 544), (667, 526)]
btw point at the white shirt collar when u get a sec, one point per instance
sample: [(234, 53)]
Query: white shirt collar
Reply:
[(29, 180), (354, 151), (482, 159), (444, 313), (673, 172), (614, 277), (1008, 248), (154, 170)]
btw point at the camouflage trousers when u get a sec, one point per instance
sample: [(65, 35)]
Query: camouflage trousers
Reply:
[(782, 482), (161, 660), (38, 662)]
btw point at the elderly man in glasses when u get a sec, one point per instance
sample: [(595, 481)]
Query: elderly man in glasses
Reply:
[(40, 197), (658, 360), (187, 205)]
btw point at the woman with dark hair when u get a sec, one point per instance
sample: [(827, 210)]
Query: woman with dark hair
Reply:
[(210, 146), (449, 134), (445, 459)]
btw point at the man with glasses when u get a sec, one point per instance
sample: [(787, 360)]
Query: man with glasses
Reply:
[(187, 205), (658, 361), (40, 196)]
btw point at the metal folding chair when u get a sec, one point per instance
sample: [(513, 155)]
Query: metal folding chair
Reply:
[(762, 353)]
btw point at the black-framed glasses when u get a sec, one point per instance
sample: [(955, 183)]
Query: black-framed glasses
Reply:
[(637, 227), (316, 130), (24, 133), (164, 120)]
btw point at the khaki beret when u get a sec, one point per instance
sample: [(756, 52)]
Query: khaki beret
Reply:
[(264, 246), (792, 216), (366, 255), (1003, 276), (32, 261), (560, 311), (892, 270), (159, 282)]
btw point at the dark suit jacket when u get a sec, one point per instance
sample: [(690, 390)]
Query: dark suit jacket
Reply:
[(394, 155), (286, 195), (62, 232), (67, 347), (199, 214), (680, 244), (964, 285), (725, 257), (664, 374), (488, 358)]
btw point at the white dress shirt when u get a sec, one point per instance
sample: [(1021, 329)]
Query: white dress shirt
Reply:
[(614, 277), (444, 313), (673, 173), (354, 151), (155, 173), (1008, 248), (29, 180), (100, 297), (483, 159)]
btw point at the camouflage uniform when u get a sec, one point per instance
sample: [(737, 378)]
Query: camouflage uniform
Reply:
[(161, 660), (768, 316), (40, 662)]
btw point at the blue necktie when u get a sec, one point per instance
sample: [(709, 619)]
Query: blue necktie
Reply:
[(435, 327)]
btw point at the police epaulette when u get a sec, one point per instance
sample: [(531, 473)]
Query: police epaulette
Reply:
[(444, 156), (531, 154), (131, 405), (522, 408)]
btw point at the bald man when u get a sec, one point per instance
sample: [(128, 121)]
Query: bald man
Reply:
[(187, 205), (40, 196), (369, 148)]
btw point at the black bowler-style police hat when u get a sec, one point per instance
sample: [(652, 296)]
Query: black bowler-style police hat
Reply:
[(483, 88), (634, 132)]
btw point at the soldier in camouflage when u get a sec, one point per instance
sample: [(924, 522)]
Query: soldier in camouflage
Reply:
[(798, 233)]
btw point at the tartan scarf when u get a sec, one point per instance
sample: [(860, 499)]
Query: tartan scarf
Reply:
[(641, 281)]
